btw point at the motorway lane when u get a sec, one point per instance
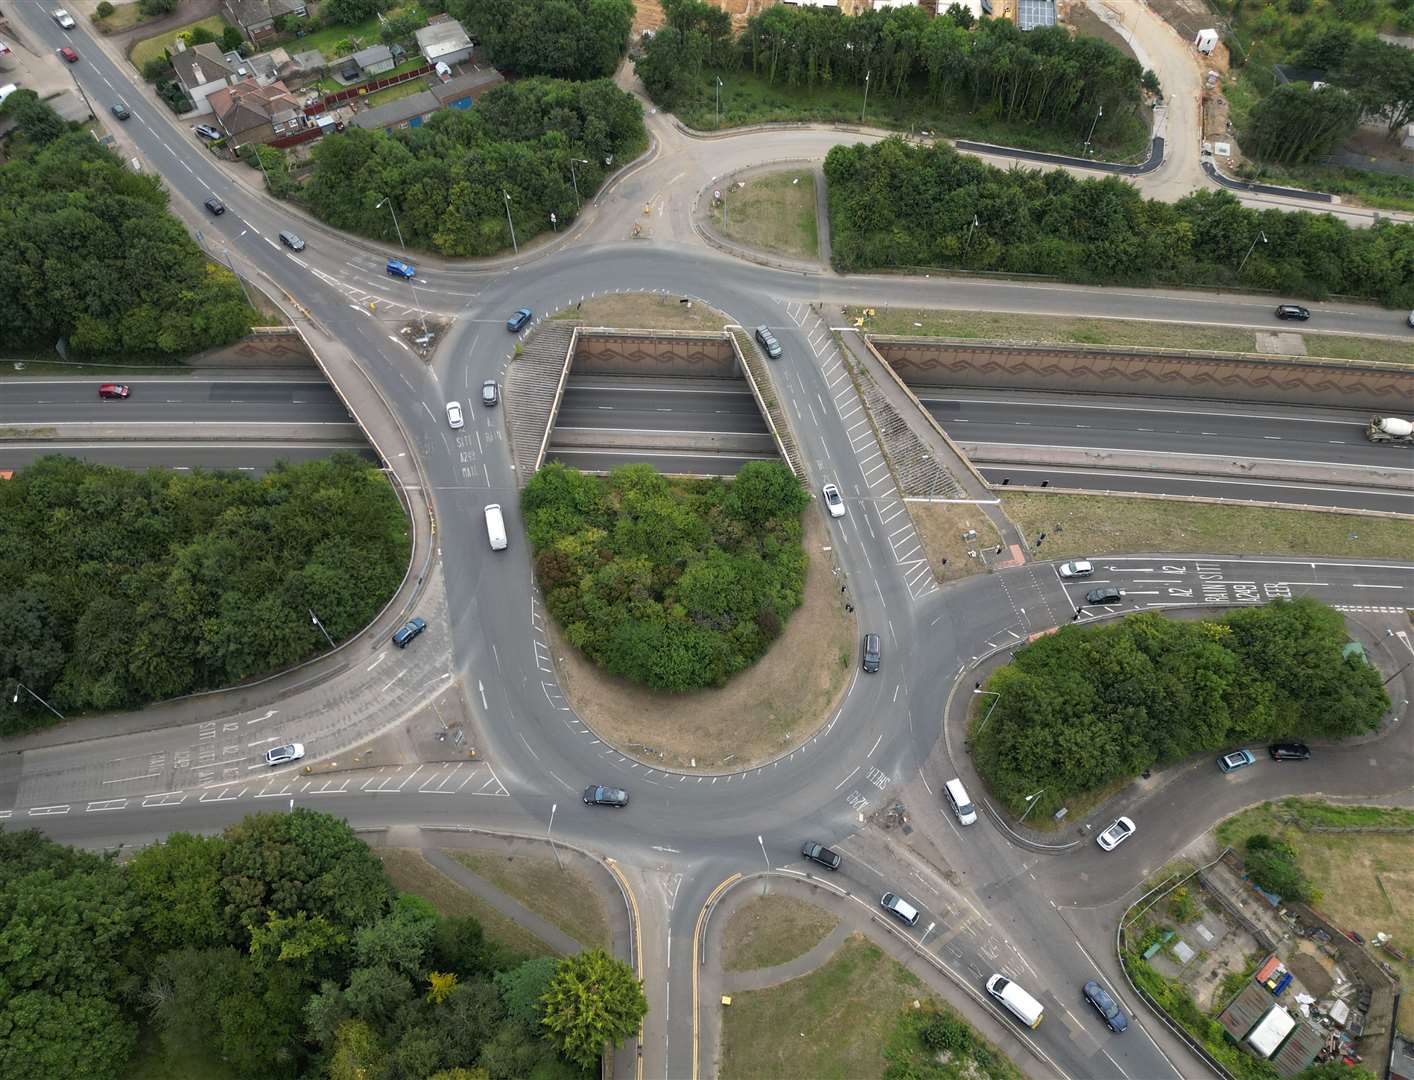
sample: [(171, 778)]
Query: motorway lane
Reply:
[(246, 456), (190, 400), (680, 463), (659, 404)]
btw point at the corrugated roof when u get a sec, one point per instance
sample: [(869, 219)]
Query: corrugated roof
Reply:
[(1299, 1050), (1244, 1011)]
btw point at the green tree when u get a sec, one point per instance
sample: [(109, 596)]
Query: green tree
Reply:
[(1297, 123), (593, 1001), (522, 987), (358, 1052), (178, 882), (351, 12)]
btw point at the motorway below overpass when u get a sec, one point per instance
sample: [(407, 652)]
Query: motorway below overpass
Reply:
[(217, 398)]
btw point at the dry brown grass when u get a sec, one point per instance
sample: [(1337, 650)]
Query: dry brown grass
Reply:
[(566, 898), (645, 311), (761, 713), (774, 212), (941, 525), (771, 930)]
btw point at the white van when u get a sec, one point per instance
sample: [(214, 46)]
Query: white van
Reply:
[(1021, 1004), (961, 804), (496, 527)]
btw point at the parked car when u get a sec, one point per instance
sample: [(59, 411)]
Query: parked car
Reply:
[(206, 131), (599, 795), (120, 110), (1120, 830), (1238, 759), (291, 240), (900, 907), (454, 415), (398, 268), (282, 755), (69, 55), (1107, 594), (1293, 311), (407, 632), (1078, 568), (63, 18), (215, 205), (1411, 318), (516, 323), (112, 391), (1106, 1006), (871, 653), (490, 392), (768, 342), (1289, 751), (834, 501), (821, 854)]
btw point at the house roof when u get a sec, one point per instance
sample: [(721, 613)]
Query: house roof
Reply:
[(374, 54), (441, 38), (200, 65), (251, 12), (246, 105)]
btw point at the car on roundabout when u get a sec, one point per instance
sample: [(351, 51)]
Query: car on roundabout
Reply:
[(490, 393), (1118, 831), (834, 501), (1238, 759), (599, 795), (454, 415), (1076, 569), (283, 755), (516, 323), (819, 853), (1106, 1006)]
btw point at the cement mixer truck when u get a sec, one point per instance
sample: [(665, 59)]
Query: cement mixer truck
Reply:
[(1391, 429)]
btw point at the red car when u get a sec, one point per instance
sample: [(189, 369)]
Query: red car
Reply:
[(113, 390), (69, 55)]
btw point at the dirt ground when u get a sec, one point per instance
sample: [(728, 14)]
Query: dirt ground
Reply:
[(771, 930), (941, 525), (648, 14), (762, 713), (1075, 14), (645, 311)]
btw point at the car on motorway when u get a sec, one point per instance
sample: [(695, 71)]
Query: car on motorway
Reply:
[(398, 268), (63, 18), (896, 904), (1106, 594), (215, 205), (768, 342), (1289, 751), (206, 131), (599, 795), (1106, 1006), (293, 241), (516, 323), (454, 415), (1119, 830), (1293, 311), (1411, 318), (870, 662), (409, 630), (283, 755), (69, 54), (1078, 568), (834, 501), (1238, 759), (113, 391), (490, 393), (120, 110), (821, 854)]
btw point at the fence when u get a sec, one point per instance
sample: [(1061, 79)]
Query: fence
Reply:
[(326, 103)]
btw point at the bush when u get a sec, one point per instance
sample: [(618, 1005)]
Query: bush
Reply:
[(158, 69), (949, 1032), (153, 9), (103, 10), (232, 39), (1181, 906), (1271, 863)]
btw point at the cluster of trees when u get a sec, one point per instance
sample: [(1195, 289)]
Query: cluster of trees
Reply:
[(1297, 123), (449, 178), (675, 586), (1086, 707), (895, 204), (1043, 77), (1271, 863), (122, 587), (279, 949), (566, 39), (93, 257)]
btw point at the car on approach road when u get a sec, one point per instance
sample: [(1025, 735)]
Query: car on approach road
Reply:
[(1105, 1005), (113, 391), (900, 907), (1238, 759), (1078, 568), (1293, 311), (490, 393), (768, 342), (409, 630), (69, 54), (1120, 830), (398, 268), (283, 755), (215, 205), (516, 323), (599, 795), (291, 240), (454, 415), (871, 653), (834, 501), (1289, 751), (120, 110), (821, 854), (1108, 594), (63, 18), (206, 131)]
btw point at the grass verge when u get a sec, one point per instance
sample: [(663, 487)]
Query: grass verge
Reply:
[(411, 873), (568, 899), (775, 212), (644, 311), (773, 930), (1081, 525), (940, 527), (124, 17), (152, 48), (765, 710), (1048, 330)]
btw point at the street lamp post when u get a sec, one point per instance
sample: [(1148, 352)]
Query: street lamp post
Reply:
[(315, 620), (231, 267), (762, 842), (421, 315), (1092, 130), (16, 699), (970, 229), (553, 807), (509, 222), (575, 180), (1031, 801), (718, 78), (866, 98), (1262, 236), (987, 693)]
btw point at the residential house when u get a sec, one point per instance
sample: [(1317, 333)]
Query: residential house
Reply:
[(411, 111), (374, 60), (445, 42), (256, 18), (250, 113), (201, 70)]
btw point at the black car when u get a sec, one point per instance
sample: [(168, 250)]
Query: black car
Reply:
[(120, 110), (1111, 1013), (599, 795), (516, 323), (768, 342), (1289, 751), (821, 854), (291, 240), (490, 393), (1293, 311), (407, 632), (871, 653), (1106, 595), (215, 205)]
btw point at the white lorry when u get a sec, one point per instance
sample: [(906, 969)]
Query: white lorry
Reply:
[(1391, 429)]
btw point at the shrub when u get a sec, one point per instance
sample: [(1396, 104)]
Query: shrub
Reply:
[(232, 39), (1272, 864), (103, 10), (1181, 906), (947, 1031), (157, 69)]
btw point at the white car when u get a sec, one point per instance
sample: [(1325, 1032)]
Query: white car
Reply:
[(454, 414), (834, 501), (283, 755), (1120, 830), (63, 18), (1078, 568)]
